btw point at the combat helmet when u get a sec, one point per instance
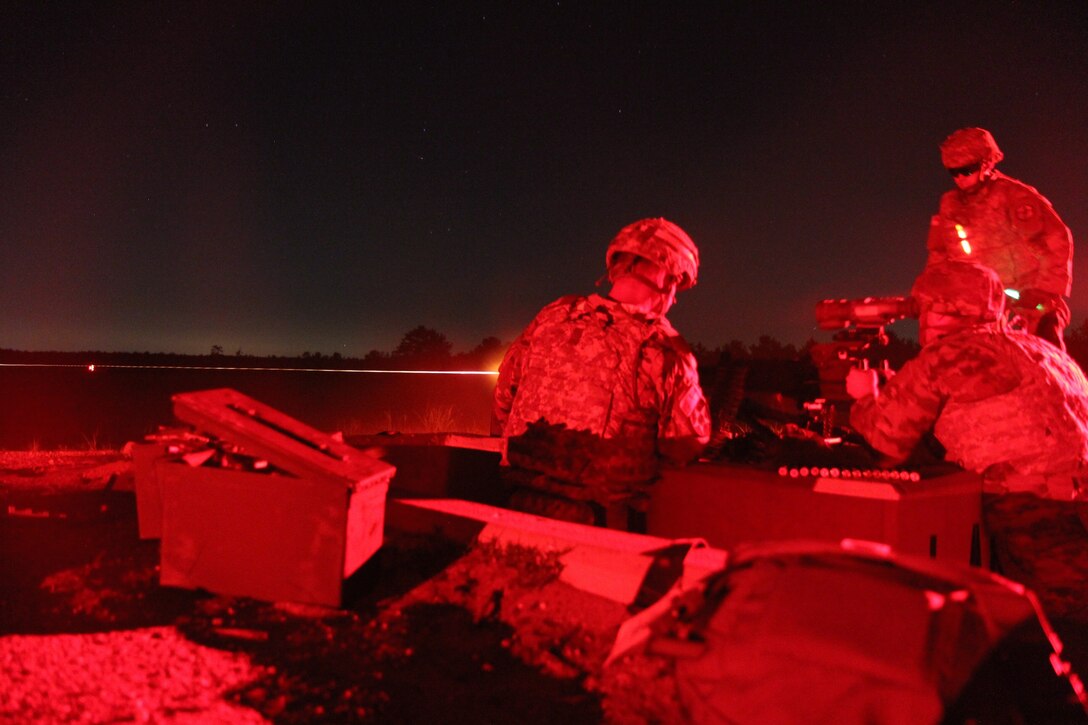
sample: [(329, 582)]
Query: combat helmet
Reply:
[(960, 289), (663, 243), (969, 146)]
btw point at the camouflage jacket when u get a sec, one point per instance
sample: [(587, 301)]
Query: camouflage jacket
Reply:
[(1004, 404), (594, 393), (1009, 227)]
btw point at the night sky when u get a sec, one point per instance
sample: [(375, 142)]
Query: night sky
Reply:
[(289, 177)]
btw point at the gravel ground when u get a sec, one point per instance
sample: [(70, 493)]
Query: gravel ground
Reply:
[(140, 675), (428, 631)]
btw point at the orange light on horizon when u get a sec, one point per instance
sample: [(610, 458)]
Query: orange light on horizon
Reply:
[(427, 372), (91, 367)]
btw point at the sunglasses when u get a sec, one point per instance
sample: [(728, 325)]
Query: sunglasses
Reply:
[(965, 170)]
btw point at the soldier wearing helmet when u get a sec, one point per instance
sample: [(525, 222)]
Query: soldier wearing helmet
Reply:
[(599, 388), (1004, 224), (1001, 402)]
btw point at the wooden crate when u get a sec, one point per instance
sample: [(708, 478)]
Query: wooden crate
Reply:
[(268, 536), (293, 534), (729, 504)]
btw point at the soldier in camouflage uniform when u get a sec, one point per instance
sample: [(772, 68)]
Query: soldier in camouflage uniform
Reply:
[(1008, 226), (598, 388), (1004, 404)]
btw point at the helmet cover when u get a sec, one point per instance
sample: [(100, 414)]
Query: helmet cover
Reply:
[(960, 289), (969, 146), (661, 242)]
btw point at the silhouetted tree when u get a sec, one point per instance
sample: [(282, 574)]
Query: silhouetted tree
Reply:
[(704, 356), (766, 348), (376, 359), (422, 345), (488, 346), (487, 355), (769, 348), (736, 350)]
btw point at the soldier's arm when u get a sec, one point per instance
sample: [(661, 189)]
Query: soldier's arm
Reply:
[(506, 386), (905, 409), (1056, 263), (1049, 238), (684, 425)]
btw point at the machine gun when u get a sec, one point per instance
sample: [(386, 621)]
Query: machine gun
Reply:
[(859, 328)]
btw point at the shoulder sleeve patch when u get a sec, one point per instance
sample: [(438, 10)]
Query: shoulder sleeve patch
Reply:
[(1024, 212)]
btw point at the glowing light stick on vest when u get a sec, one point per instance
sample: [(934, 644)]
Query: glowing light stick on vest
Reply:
[(962, 234)]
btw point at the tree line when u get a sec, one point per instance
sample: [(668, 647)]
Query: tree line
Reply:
[(420, 348), (424, 348)]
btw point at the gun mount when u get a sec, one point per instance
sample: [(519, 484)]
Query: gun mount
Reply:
[(859, 329)]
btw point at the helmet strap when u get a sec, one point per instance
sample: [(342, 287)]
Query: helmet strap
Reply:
[(664, 301), (669, 285)]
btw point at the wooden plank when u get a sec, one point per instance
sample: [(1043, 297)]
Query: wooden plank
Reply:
[(493, 444), (608, 563), (264, 432)]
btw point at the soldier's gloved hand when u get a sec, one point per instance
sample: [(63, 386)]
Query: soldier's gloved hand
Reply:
[(860, 383)]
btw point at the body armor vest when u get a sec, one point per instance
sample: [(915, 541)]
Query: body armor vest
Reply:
[(581, 413)]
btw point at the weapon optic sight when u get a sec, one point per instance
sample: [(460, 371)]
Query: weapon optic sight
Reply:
[(863, 312)]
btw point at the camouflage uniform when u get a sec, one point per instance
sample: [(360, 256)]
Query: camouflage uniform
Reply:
[(1007, 226), (1004, 404), (1014, 408), (591, 393), (1010, 228)]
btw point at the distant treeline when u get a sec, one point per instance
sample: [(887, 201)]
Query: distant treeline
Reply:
[(425, 348), (419, 348)]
